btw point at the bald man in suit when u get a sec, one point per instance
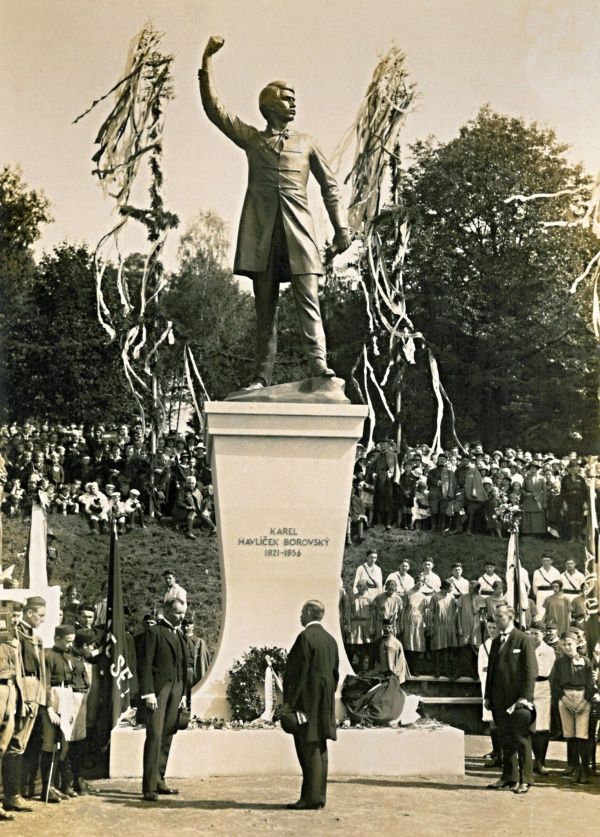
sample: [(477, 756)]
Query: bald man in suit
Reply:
[(309, 682)]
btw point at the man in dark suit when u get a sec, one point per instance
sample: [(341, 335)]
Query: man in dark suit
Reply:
[(512, 672), (162, 686), (309, 683)]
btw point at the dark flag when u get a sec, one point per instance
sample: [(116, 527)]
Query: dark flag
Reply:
[(118, 674)]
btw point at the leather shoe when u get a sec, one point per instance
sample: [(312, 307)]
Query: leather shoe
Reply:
[(166, 791), (70, 792), (150, 796), (51, 796), (524, 788), (321, 370), (304, 806), (4, 815), (257, 384), (502, 785), (58, 793), (82, 787), (16, 803)]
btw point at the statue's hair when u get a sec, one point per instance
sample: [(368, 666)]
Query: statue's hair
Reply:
[(271, 93), (314, 609)]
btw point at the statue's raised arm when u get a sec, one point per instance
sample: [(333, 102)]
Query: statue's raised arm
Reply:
[(230, 125), (276, 241)]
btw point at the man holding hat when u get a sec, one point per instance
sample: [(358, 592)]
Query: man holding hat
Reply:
[(33, 694)]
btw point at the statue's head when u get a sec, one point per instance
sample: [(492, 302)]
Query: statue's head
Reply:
[(277, 102)]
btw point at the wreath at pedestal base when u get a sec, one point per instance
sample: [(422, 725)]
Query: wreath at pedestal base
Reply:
[(245, 678)]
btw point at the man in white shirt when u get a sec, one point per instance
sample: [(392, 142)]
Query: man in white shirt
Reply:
[(431, 581), (369, 571), (459, 585), (572, 580), (487, 580), (174, 590), (404, 581), (542, 580), (542, 698)]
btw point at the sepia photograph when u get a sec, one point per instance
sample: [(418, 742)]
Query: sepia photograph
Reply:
[(299, 417)]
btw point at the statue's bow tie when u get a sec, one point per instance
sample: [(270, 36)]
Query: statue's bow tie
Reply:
[(276, 140)]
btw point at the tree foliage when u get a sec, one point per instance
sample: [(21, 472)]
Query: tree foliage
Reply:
[(60, 365), (488, 284)]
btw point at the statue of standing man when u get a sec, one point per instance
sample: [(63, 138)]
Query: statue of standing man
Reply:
[(276, 240)]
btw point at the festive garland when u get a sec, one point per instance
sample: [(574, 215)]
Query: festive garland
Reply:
[(245, 677)]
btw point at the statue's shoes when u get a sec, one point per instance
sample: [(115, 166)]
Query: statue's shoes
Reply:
[(320, 370)]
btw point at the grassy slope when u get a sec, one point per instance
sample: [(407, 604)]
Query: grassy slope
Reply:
[(146, 554)]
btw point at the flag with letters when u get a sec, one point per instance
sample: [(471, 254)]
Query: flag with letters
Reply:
[(118, 672)]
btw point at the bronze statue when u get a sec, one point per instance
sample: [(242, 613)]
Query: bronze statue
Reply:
[(276, 240)]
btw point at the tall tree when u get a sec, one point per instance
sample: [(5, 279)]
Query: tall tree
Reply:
[(488, 281), (22, 212), (60, 365)]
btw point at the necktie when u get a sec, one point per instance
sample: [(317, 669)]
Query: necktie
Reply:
[(276, 140)]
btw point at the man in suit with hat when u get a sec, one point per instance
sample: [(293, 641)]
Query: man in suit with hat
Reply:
[(509, 693), (309, 682), (276, 240), (162, 685)]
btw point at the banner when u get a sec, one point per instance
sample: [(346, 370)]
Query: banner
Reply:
[(516, 592), (118, 672), (36, 573), (591, 585)]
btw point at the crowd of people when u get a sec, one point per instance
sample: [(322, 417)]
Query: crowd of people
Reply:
[(99, 471), (54, 700), (470, 490), (445, 627)]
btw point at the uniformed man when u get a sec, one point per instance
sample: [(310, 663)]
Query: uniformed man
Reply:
[(542, 580), (404, 580), (542, 697), (11, 680), (71, 780), (33, 695), (459, 585), (58, 713), (572, 580), (431, 581), (487, 580)]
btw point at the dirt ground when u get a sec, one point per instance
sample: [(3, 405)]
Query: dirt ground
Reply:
[(413, 805)]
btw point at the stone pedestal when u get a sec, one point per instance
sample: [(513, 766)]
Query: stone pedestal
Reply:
[(282, 476), (435, 751)]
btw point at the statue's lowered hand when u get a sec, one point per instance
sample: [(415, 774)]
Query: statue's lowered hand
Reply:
[(215, 42), (341, 241)]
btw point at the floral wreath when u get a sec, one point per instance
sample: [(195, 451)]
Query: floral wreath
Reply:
[(246, 675)]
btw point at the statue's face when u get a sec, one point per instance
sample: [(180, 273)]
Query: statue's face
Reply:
[(283, 108)]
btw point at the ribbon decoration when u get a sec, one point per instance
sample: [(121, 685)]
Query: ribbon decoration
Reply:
[(591, 585), (271, 680), (436, 445)]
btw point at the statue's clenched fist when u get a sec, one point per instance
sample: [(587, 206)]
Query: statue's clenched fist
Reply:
[(215, 42)]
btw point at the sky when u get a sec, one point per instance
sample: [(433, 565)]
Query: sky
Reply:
[(538, 59)]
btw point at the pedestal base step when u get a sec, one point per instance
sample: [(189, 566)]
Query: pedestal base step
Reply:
[(427, 751)]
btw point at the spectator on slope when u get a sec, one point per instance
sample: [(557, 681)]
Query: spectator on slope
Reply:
[(534, 501), (443, 628), (404, 580), (173, 589), (437, 503), (475, 497), (70, 604), (96, 507), (573, 492), (357, 518), (421, 512), (188, 505), (134, 510), (358, 626), (383, 469), (406, 494), (557, 608)]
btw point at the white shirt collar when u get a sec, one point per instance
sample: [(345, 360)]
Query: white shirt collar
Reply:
[(314, 622)]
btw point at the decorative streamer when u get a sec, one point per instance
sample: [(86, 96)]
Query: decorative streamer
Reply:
[(188, 377), (436, 445)]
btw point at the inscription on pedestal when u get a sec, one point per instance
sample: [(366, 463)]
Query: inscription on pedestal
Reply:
[(283, 542)]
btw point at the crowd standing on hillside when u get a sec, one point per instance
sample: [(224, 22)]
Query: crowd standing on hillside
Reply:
[(469, 490), (98, 472)]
